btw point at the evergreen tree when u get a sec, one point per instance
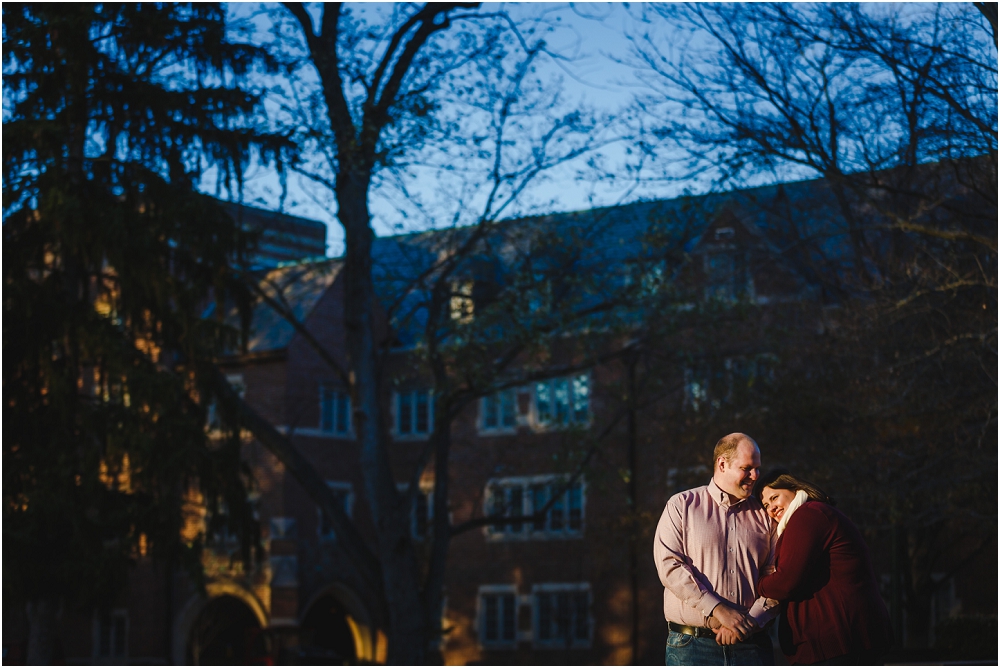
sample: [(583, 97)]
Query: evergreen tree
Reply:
[(112, 114)]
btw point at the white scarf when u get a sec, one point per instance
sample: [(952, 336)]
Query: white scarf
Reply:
[(800, 498)]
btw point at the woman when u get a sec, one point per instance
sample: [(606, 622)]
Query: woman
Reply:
[(834, 613)]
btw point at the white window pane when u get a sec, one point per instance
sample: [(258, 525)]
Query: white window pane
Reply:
[(343, 412), (561, 616), (491, 617), (509, 617), (508, 408), (561, 400), (543, 402), (581, 616), (515, 506), (490, 412), (325, 409), (556, 512), (539, 495), (581, 398), (544, 601), (575, 495), (422, 412)]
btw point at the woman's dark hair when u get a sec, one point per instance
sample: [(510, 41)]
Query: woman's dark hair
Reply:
[(782, 479)]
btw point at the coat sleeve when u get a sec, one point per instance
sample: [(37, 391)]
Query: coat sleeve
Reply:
[(674, 567), (801, 547)]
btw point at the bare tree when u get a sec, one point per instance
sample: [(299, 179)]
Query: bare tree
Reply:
[(436, 89)]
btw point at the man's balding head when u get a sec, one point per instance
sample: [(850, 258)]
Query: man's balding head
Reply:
[(727, 446), (737, 464)]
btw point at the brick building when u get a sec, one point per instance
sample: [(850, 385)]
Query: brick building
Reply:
[(574, 587)]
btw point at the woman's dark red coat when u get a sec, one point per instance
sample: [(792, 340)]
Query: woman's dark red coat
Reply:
[(825, 574)]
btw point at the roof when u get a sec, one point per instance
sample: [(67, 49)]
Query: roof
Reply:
[(299, 286), (799, 221)]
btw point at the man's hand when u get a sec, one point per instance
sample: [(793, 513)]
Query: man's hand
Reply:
[(725, 636), (735, 620)]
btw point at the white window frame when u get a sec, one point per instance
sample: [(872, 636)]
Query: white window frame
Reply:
[(112, 658), (496, 590), (511, 394), (528, 531), (333, 390), (573, 420), (412, 435), (337, 485), (559, 588)]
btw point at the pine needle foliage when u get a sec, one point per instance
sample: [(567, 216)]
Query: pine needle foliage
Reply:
[(111, 260)]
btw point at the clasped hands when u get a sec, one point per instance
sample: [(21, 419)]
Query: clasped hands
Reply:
[(731, 624)]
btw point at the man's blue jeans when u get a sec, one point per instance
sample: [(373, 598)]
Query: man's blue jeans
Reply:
[(685, 650)]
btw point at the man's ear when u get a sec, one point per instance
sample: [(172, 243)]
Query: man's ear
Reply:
[(720, 464)]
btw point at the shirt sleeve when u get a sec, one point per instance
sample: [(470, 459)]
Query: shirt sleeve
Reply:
[(801, 545), (674, 567), (761, 611)]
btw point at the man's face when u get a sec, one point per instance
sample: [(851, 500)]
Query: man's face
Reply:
[(736, 476)]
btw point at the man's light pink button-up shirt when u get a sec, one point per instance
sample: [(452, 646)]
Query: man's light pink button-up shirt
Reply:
[(708, 551)]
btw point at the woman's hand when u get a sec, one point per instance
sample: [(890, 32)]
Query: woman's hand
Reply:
[(726, 636)]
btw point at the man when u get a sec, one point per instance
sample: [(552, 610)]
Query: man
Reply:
[(711, 545)]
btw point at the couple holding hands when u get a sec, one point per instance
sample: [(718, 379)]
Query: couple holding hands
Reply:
[(733, 554)]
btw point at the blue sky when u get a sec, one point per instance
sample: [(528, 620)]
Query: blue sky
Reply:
[(587, 39)]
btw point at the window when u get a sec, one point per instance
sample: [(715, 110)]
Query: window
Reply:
[(511, 497), (334, 410), (283, 528), (498, 412), (710, 383), (414, 413), (561, 402), (498, 616), (462, 305), (344, 494), (562, 615), (111, 635), (725, 275)]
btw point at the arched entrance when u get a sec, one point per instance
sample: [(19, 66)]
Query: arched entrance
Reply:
[(325, 633), (225, 632)]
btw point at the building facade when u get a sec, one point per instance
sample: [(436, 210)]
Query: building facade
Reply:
[(572, 585)]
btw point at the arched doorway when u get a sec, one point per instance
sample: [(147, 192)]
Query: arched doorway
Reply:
[(225, 632), (326, 633)]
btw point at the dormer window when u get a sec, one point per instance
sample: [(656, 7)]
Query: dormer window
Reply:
[(724, 233), (726, 275)]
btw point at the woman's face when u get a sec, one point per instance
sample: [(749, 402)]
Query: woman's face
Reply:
[(776, 501)]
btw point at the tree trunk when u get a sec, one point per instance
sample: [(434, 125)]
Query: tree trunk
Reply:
[(41, 615), (401, 580)]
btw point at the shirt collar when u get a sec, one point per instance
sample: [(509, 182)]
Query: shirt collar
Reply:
[(721, 497)]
